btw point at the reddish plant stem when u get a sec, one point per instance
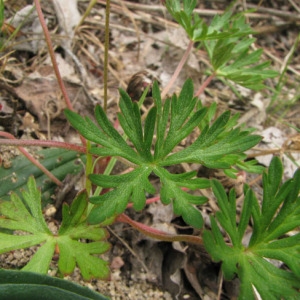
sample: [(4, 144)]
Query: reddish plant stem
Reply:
[(178, 69), (53, 60), (52, 55), (33, 160), (39, 143), (205, 84), (158, 234), (148, 201)]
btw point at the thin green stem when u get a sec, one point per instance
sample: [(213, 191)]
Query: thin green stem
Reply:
[(86, 13), (88, 168), (106, 47)]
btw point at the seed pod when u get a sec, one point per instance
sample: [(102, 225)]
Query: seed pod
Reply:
[(137, 85)]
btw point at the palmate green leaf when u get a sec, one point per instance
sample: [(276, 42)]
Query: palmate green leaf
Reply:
[(221, 144), (182, 13), (279, 213), (41, 260), (232, 59), (72, 251), (270, 282), (26, 215), (126, 187)]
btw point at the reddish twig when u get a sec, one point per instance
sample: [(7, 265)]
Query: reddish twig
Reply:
[(33, 160), (178, 69), (148, 201), (52, 55), (53, 60), (158, 234), (39, 143), (205, 84)]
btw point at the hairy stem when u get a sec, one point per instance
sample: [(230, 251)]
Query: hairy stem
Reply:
[(53, 60), (52, 55), (158, 234), (32, 159), (205, 84), (178, 69), (39, 143)]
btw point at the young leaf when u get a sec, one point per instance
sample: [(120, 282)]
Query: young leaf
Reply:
[(196, 28), (24, 215), (278, 214), (231, 57)]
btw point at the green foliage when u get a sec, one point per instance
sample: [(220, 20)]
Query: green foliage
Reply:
[(278, 214), (227, 43), (219, 145), (1, 13), (197, 29), (150, 146), (1, 22), (25, 215), (28, 285)]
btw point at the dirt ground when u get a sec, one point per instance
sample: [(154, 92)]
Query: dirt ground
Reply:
[(144, 37)]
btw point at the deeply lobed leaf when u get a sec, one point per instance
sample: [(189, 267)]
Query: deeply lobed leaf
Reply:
[(221, 144), (278, 214), (130, 186), (26, 215)]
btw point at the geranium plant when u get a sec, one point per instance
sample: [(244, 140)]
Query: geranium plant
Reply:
[(149, 145)]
